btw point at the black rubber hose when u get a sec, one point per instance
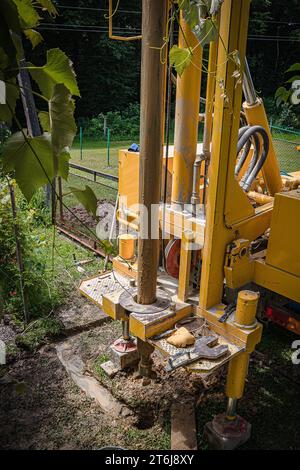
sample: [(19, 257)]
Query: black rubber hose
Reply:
[(246, 185), (246, 150), (254, 159)]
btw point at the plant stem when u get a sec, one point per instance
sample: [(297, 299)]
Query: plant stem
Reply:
[(19, 252)]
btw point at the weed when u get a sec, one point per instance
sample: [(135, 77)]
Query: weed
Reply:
[(37, 333)]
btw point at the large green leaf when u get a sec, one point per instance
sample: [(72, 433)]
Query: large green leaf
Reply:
[(58, 69), (34, 37), (61, 112), (27, 13), (87, 198), (12, 94), (31, 160), (180, 58)]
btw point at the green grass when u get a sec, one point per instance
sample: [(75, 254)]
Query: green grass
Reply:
[(95, 155), (95, 158), (288, 155), (59, 279), (285, 144), (97, 365)]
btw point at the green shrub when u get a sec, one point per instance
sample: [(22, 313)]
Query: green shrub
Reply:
[(122, 124), (41, 298), (288, 117), (38, 332)]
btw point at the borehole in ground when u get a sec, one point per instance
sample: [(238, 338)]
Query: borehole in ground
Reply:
[(145, 420)]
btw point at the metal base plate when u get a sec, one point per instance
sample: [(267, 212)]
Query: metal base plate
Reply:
[(223, 434), (128, 302)]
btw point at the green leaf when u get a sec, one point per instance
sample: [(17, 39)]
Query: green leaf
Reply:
[(87, 198), (61, 111), (12, 94), (26, 158), (280, 91), (292, 79), (180, 58), (207, 31), (63, 165), (294, 67), (34, 37), (192, 16), (44, 119), (27, 13), (48, 5), (58, 69), (282, 95)]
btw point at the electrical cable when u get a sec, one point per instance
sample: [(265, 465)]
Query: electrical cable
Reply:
[(75, 28)]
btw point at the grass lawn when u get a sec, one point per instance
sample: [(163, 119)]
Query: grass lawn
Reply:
[(287, 153), (94, 155)]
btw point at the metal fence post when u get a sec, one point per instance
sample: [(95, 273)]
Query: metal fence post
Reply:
[(81, 141), (108, 147)]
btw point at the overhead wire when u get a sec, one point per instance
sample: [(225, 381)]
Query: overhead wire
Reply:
[(102, 29)]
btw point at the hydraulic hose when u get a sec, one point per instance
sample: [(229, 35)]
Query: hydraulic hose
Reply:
[(246, 135)]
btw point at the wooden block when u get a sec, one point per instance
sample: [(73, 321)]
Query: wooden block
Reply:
[(183, 425)]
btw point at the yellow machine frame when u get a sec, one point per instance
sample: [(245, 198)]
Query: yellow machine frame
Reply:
[(231, 222)]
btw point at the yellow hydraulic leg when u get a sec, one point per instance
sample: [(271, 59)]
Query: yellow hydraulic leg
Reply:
[(229, 430), (238, 367), (186, 119)]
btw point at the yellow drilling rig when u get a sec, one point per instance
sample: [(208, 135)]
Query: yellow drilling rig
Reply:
[(209, 232)]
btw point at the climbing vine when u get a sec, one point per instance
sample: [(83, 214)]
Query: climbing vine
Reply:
[(201, 16)]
